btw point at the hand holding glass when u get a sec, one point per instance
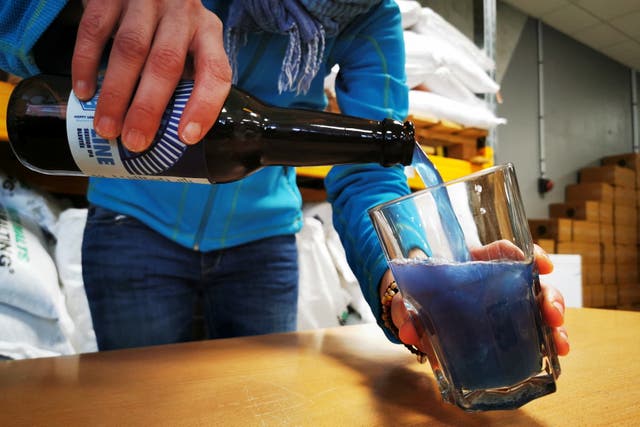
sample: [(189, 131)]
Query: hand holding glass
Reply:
[(462, 255)]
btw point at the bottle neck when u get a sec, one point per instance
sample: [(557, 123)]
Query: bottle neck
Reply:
[(303, 137)]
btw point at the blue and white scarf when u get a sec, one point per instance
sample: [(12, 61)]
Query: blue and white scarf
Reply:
[(307, 22)]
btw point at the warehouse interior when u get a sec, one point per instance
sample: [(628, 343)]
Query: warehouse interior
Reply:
[(565, 100)]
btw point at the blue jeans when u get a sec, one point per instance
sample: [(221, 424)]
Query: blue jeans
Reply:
[(143, 289)]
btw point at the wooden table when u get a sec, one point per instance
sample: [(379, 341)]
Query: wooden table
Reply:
[(342, 376)]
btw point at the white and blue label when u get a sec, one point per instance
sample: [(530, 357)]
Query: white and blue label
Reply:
[(163, 160)]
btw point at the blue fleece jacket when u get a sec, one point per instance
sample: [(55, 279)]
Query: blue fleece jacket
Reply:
[(371, 84)]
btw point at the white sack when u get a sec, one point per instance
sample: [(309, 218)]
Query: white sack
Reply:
[(429, 105), (23, 335), (28, 275), (321, 300), (411, 12), (30, 294), (434, 25), (416, 75), (68, 258), (431, 52), (348, 281), (419, 54), (38, 206), (443, 82), (330, 80)]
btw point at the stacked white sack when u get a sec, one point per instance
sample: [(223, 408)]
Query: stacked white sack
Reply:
[(432, 106), (34, 321), (410, 12), (431, 53), (444, 62), (433, 25), (68, 259), (38, 206)]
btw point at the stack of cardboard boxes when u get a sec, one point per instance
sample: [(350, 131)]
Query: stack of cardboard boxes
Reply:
[(627, 231), (599, 221)]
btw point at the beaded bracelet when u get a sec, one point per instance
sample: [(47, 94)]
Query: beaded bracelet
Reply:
[(389, 293)]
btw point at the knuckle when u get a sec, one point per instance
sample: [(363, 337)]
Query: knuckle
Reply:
[(207, 105), (144, 112), (214, 21), (193, 7), (219, 72), (83, 56), (131, 44), (165, 61), (92, 27), (211, 23), (112, 98)]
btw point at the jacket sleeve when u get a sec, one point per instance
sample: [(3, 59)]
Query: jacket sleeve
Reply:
[(370, 84), (22, 22)]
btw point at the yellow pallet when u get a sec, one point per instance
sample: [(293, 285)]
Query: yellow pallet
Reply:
[(449, 168), (5, 93)]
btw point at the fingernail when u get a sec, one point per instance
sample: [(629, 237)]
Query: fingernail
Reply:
[(543, 253), (191, 132), (81, 89), (106, 127), (134, 140), (564, 335), (559, 307)]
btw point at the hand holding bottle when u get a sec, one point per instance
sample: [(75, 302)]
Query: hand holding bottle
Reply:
[(154, 45)]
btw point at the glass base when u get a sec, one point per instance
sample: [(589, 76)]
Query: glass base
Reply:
[(498, 398)]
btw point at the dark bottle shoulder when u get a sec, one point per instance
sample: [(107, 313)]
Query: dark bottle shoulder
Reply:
[(36, 123)]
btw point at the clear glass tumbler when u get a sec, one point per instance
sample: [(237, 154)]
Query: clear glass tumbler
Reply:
[(462, 255)]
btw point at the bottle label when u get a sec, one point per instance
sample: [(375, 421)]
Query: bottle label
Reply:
[(167, 159)]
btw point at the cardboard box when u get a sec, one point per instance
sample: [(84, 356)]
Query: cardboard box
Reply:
[(589, 191), (625, 235), (585, 231), (626, 273), (586, 296), (624, 197), (628, 295), (590, 252), (606, 233), (626, 254), (548, 245), (611, 174), (606, 213), (625, 215), (608, 274), (558, 229), (608, 251), (588, 210), (591, 274), (610, 295), (597, 295), (628, 160)]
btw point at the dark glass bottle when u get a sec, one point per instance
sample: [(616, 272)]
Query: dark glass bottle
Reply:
[(51, 132)]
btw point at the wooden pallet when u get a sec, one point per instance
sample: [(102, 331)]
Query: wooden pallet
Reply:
[(449, 139), (458, 141)]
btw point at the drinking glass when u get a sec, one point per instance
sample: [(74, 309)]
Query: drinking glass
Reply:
[(462, 255)]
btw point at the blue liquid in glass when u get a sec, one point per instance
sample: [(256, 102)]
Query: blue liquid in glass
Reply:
[(430, 177), (482, 315)]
